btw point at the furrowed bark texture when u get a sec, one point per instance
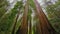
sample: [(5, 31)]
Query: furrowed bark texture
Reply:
[(44, 27)]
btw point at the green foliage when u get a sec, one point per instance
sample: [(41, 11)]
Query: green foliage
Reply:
[(7, 21), (18, 4), (32, 4), (3, 6), (18, 24), (53, 12), (3, 3)]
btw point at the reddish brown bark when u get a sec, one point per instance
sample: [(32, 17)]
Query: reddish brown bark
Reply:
[(24, 24), (44, 27)]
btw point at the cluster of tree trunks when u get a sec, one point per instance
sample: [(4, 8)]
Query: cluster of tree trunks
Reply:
[(44, 27)]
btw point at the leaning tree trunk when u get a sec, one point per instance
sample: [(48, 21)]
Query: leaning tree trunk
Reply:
[(15, 22), (44, 27)]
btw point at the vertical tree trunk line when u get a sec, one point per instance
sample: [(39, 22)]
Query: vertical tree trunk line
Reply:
[(24, 25), (29, 25), (15, 22)]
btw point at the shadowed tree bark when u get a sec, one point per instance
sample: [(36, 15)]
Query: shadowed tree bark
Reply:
[(23, 29), (15, 22), (44, 27), (19, 7), (30, 29)]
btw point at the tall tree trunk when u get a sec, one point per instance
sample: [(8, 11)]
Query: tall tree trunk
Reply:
[(23, 29), (44, 27)]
